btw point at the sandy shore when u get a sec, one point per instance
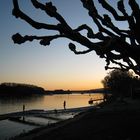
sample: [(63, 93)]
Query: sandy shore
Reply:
[(113, 121)]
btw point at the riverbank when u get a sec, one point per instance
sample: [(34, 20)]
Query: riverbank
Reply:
[(113, 121)]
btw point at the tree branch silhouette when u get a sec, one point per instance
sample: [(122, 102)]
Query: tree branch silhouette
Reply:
[(116, 46)]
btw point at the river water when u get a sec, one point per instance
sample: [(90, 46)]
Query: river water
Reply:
[(47, 102), (9, 128)]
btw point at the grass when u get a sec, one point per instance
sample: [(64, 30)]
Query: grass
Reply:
[(110, 121)]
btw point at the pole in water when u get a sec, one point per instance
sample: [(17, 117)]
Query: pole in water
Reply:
[(23, 108), (64, 104), (23, 112)]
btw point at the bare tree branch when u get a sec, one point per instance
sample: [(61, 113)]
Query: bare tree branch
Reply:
[(19, 14), (111, 38), (112, 11), (44, 40), (73, 48)]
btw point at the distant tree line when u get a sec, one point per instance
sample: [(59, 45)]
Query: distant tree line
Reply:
[(59, 91), (122, 84), (20, 89)]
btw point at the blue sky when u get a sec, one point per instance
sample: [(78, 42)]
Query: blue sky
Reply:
[(53, 66)]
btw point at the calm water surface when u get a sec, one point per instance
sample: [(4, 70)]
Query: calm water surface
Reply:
[(10, 129), (46, 102)]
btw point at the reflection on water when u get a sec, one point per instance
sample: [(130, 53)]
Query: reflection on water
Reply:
[(47, 102), (40, 120), (10, 129), (14, 104)]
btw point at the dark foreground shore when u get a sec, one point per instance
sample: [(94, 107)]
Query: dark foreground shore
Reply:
[(112, 121)]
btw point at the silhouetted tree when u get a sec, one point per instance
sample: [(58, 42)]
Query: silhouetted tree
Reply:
[(20, 89), (120, 82), (118, 46)]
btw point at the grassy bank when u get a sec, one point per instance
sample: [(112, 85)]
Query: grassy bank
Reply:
[(112, 121)]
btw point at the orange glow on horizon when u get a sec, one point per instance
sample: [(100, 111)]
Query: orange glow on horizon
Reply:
[(72, 85)]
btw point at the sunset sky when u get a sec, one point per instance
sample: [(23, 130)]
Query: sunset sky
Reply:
[(53, 66)]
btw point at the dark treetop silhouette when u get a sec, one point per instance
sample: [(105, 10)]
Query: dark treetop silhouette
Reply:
[(114, 44)]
